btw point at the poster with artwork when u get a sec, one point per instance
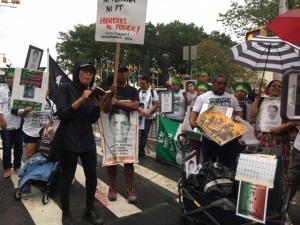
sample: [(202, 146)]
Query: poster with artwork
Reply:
[(269, 114), (252, 201), (120, 136), (29, 89)]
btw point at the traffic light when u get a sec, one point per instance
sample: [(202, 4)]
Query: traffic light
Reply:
[(253, 33), (4, 59)]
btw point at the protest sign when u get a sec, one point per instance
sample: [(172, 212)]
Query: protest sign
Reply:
[(29, 89), (120, 137), (121, 21), (219, 127)]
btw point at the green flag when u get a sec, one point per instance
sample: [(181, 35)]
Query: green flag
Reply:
[(167, 148)]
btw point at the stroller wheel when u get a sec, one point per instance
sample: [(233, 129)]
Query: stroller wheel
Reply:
[(18, 195), (46, 198)]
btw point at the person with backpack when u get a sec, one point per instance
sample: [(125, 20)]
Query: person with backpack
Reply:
[(149, 99)]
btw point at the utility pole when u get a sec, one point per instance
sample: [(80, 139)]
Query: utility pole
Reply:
[(283, 7)]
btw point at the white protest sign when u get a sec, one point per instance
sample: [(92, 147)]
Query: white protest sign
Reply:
[(29, 89), (121, 21)]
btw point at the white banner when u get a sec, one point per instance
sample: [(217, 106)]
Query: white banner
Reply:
[(120, 137), (29, 89), (121, 21)]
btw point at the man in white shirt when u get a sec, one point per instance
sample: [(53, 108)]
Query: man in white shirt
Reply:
[(11, 133), (211, 151), (149, 100)]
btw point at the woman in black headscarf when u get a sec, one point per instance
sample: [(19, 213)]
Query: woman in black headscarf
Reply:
[(77, 112)]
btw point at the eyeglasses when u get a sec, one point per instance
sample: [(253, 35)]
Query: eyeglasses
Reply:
[(88, 70)]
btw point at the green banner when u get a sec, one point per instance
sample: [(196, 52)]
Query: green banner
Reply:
[(166, 147)]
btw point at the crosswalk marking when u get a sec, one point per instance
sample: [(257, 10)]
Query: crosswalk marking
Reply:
[(156, 178), (120, 207), (40, 213), (51, 212)]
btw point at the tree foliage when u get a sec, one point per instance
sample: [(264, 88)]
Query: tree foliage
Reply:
[(250, 15), (160, 39)]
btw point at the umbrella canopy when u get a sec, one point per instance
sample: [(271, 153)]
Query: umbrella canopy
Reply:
[(287, 26), (266, 54)]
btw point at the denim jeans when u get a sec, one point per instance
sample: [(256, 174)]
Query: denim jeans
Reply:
[(143, 137), (12, 139)]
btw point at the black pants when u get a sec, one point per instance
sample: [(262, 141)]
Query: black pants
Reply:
[(144, 136), (69, 162), (226, 154)]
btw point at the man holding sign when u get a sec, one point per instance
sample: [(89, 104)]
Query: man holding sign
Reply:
[(126, 100)]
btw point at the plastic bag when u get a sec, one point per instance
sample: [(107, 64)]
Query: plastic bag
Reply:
[(213, 179)]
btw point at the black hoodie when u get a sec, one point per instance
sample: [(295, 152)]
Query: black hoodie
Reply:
[(77, 123)]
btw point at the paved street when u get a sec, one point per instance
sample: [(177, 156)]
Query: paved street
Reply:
[(155, 184)]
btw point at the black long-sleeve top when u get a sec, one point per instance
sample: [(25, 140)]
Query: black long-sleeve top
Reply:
[(77, 123)]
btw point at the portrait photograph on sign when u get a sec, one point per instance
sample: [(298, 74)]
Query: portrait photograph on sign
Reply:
[(166, 102), (120, 136), (30, 88), (269, 111), (187, 83), (34, 58)]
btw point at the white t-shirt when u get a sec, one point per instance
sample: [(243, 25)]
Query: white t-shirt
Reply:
[(226, 100), (35, 120), (12, 121), (179, 107), (145, 97)]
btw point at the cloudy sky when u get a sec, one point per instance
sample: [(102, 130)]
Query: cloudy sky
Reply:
[(37, 22)]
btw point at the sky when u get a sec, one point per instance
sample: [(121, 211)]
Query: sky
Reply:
[(38, 22)]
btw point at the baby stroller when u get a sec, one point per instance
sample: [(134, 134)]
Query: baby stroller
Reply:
[(198, 207), (40, 173)]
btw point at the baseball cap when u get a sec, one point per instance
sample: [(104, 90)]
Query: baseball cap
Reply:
[(122, 67)]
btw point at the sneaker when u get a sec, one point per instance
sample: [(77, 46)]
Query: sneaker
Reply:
[(112, 194), (7, 173), (16, 170), (130, 195)]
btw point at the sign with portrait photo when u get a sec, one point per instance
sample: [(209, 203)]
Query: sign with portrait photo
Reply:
[(269, 114), (34, 58), (29, 89), (166, 102), (120, 136), (186, 82)]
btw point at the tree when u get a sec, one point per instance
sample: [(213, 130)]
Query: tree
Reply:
[(252, 14), (160, 39)]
